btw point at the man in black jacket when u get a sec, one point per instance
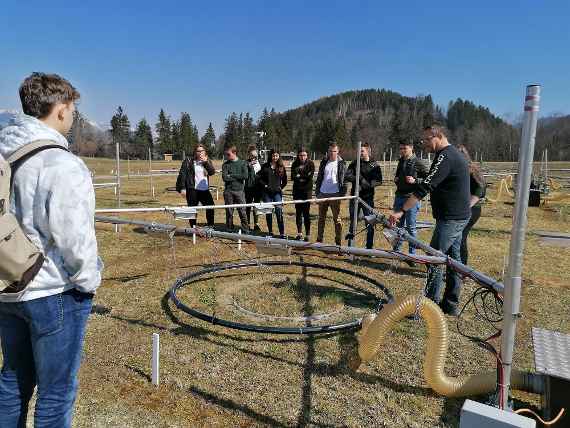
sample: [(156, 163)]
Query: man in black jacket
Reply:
[(448, 185), (330, 183), (193, 182), (370, 177), (410, 172)]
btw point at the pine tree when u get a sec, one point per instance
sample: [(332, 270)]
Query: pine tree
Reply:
[(120, 129), (142, 140), (186, 135), (164, 132), (209, 137), (231, 131)]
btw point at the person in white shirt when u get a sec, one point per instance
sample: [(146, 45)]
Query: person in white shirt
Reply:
[(193, 182), (330, 183)]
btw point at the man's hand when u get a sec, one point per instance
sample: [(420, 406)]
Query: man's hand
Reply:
[(183, 192), (203, 156), (410, 179), (395, 217)]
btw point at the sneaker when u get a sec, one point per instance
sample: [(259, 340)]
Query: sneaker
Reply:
[(299, 237), (452, 311), (282, 236)]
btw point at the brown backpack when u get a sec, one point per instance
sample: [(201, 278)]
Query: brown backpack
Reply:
[(20, 259)]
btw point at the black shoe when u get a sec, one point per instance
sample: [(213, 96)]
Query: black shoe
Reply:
[(282, 236), (306, 239), (452, 311), (299, 237), (256, 228)]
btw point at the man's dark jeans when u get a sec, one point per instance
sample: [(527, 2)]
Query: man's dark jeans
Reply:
[(447, 239), (42, 340), (365, 211)]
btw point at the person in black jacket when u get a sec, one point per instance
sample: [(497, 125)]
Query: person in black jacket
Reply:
[(302, 172), (193, 182), (478, 189), (330, 183), (370, 177), (409, 172), (272, 179), (252, 190), (448, 185)]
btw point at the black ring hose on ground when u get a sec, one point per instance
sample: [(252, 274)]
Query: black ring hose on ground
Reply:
[(192, 277)]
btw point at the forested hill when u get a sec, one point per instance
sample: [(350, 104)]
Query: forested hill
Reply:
[(384, 118)]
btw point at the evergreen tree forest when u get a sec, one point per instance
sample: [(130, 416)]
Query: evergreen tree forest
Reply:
[(381, 117)]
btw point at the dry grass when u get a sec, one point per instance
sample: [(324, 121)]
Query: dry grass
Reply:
[(213, 376)]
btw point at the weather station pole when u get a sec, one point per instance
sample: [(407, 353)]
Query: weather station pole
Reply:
[(513, 280), (356, 201)]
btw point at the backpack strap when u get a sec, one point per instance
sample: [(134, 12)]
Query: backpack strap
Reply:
[(24, 153)]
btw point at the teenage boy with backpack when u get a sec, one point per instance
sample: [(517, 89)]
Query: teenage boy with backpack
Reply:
[(42, 327)]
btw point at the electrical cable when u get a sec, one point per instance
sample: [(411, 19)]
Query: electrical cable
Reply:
[(542, 421)]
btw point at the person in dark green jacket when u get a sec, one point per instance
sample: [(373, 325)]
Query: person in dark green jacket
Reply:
[(235, 172)]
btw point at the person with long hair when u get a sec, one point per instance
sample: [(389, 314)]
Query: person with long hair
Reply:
[(477, 187), (302, 173), (193, 182), (272, 180)]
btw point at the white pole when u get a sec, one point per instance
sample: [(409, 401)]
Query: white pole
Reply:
[(150, 171), (239, 241), (155, 358), (514, 271), (118, 193), (194, 238), (355, 202)]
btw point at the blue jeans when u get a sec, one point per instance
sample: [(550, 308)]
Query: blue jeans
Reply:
[(274, 197), (365, 211), (447, 239), (408, 221), (42, 341)]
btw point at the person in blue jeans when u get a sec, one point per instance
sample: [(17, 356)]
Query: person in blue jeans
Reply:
[(42, 328), (272, 179), (448, 185), (410, 172)]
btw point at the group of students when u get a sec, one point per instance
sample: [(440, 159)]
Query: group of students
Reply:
[(247, 181), (455, 184), (51, 197)]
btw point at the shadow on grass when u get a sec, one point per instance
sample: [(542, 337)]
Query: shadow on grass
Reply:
[(386, 267), (232, 405)]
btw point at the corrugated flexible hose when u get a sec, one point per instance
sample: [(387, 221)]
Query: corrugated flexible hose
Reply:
[(376, 327)]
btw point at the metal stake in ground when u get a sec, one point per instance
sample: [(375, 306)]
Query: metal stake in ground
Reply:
[(355, 201), (513, 281)]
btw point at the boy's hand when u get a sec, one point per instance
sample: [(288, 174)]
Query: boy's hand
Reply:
[(410, 179)]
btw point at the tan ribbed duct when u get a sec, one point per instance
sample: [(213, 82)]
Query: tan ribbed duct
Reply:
[(375, 328)]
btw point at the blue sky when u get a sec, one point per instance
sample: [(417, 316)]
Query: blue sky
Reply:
[(211, 58)]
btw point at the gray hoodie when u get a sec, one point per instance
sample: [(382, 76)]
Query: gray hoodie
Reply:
[(54, 201)]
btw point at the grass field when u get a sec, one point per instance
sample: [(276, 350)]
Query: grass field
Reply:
[(211, 376)]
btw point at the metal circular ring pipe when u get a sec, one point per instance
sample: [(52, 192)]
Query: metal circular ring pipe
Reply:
[(195, 276)]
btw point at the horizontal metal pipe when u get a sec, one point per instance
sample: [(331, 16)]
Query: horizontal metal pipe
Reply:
[(327, 248), (207, 207)]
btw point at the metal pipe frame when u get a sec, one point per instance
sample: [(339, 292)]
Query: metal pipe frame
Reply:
[(207, 207), (513, 282)]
